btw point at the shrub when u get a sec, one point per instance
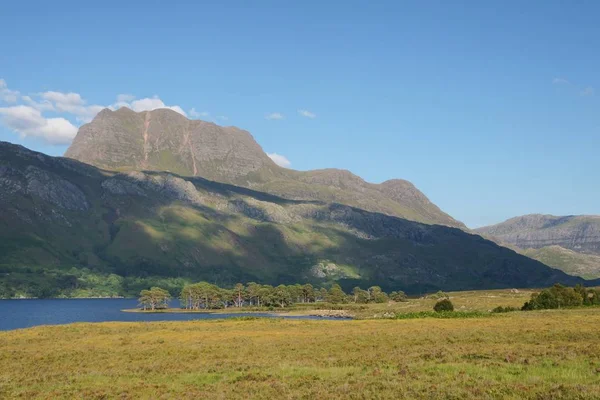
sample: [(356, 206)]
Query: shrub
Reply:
[(438, 295), (398, 296), (443, 305), (558, 296), (501, 309)]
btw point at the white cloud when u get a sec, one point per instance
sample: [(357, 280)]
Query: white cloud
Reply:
[(68, 103), (145, 104), (42, 106), (27, 118), (7, 95), (280, 160), (307, 114), (275, 116), (29, 122), (560, 81), (588, 91), (63, 99), (222, 117)]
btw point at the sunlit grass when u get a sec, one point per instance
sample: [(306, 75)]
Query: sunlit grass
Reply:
[(516, 355)]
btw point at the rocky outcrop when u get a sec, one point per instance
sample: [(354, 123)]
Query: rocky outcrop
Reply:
[(41, 184), (170, 187), (580, 233)]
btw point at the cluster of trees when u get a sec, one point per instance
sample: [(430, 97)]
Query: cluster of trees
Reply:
[(154, 299), (559, 296), (204, 295)]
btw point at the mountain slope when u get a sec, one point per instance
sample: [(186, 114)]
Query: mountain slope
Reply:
[(573, 263), (59, 217), (570, 243), (163, 140)]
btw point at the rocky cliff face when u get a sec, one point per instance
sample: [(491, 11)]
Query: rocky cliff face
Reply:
[(163, 140), (578, 233), (58, 214), (570, 243)]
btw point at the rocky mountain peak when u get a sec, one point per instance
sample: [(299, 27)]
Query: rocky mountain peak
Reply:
[(164, 140)]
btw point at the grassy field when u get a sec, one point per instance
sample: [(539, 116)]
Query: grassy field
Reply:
[(535, 355)]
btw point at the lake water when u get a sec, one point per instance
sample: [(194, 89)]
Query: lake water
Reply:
[(15, 314)]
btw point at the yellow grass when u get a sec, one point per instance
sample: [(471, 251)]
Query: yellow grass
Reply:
[(537, 355)]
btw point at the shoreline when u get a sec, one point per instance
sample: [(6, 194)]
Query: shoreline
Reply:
[(342, 314)]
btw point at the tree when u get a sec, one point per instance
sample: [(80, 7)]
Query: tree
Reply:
[(360, 296), (443, 305), (376, 295), (154, 298), (239, 292), (308, 293), (336, 295), (264, 295), (281, 295), (252, 289), (398, 296)]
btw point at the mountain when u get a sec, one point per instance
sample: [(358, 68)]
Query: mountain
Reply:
[(570, 243), (164, 140), (573, 263), (73, 229)]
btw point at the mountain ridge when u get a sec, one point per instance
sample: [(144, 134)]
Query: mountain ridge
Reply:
[(163, 140), (570, 243)]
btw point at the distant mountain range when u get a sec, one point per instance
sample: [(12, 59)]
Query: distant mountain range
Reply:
[(570, 243), (178, 200)]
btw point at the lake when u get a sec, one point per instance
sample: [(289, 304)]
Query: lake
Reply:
[(16, 314)]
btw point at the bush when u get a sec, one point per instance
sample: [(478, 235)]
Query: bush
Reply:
[(443, 305), (438, 295), (501, 309), (398, 296), (558, 296)]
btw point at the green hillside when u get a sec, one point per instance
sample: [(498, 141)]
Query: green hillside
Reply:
[(67, 228)]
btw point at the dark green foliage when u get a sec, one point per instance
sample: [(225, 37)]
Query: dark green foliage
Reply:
[(444, 305), (154, 299), (336, 295), (376, 295), (506, 309), (204, 295), (398, 296), (360, 296), (559, 296)]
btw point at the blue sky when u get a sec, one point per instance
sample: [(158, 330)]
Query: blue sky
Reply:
[(490, 108)]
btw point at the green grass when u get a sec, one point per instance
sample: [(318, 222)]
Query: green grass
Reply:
[(534, 355)]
